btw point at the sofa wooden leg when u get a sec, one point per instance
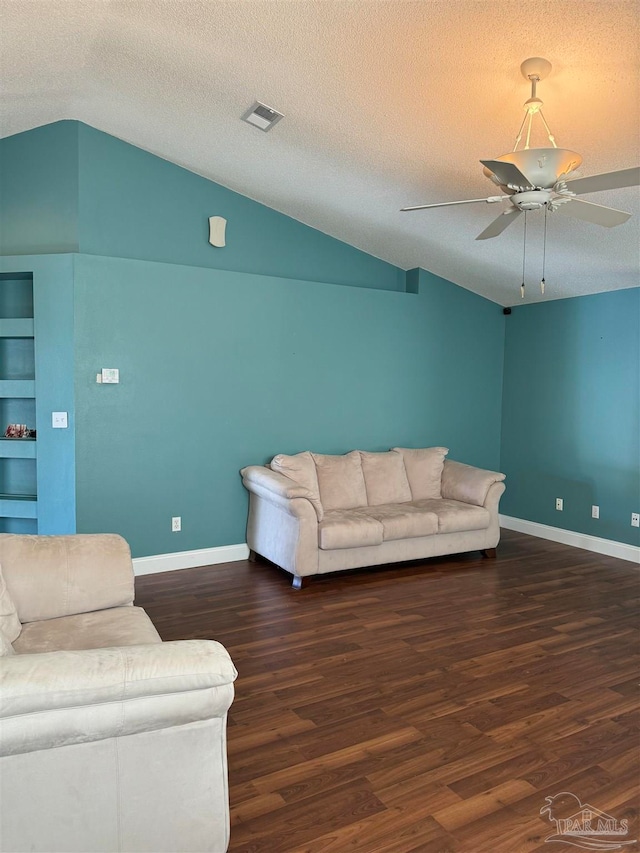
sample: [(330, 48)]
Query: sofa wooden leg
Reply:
[(490, 553), (297, 582), (253, 557)]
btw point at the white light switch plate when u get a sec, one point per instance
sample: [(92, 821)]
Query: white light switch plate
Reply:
[(110, 375), (59, 420)]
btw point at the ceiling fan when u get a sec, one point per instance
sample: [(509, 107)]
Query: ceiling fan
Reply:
[(539, 178)]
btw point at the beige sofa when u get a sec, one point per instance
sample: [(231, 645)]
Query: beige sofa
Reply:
[(110, 739), (313, 513)]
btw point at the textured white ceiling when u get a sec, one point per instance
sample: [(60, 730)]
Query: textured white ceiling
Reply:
[(387, 103)]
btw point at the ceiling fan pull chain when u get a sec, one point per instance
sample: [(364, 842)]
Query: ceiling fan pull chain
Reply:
[(544, 250), (524, 255)]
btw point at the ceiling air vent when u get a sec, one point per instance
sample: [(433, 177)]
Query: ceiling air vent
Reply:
[(262, 116)]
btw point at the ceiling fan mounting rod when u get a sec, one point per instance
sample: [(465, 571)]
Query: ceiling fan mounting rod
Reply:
[(534, 70)]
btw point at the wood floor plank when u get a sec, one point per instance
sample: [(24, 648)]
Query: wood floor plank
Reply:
[(424, 708)]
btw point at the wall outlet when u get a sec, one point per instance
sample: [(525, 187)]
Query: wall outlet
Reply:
[(559, 504), (635, 519), (595, 511), (176, 524)]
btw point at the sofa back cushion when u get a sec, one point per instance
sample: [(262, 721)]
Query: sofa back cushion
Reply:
[(51, 576), (424, 470), (340, 480), (302, 470), (10, 626), (385, 478)]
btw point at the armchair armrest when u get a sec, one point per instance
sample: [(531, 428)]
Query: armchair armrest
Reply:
[(467, 484), (57, 698)]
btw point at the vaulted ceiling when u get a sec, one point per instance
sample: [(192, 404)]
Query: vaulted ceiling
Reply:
[(387, 103)]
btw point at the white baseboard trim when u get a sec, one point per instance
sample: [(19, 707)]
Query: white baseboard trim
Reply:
[(569, 537), (189, 559)]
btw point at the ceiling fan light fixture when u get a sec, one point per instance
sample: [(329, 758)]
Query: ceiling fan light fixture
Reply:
[(542, 166)]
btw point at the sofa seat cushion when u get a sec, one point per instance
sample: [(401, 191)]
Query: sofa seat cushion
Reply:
[(117, 626), (373, 525), (348, 528), (455, 516), (403, 521)]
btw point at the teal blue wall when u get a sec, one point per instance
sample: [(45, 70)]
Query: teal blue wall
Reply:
[(67, 187), (223, 369), (228, 356), (39, 190), (571, 423), (135, 205)]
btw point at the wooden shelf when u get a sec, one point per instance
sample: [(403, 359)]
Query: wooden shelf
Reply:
[(16, 327)]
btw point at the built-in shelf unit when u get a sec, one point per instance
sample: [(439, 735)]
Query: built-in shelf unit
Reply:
[(18, 456)]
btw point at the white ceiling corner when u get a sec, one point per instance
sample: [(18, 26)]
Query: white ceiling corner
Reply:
[(387, 103)]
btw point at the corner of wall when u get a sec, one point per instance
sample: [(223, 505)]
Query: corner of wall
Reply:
[(39, 185)]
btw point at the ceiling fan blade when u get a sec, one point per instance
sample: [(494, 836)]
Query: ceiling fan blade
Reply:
[(596, 213), (606, 181), (507, 173), (490, 200), (498, 225)]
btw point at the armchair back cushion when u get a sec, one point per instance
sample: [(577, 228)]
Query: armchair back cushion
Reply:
[(385, 478), (424, 470), (52, 576), (341, 481)]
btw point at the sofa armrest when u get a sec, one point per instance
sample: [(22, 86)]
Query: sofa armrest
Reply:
[(274, 487), (467, 484), (57, 698)]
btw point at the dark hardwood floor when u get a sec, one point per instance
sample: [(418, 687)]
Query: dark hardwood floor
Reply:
[(430, 707)]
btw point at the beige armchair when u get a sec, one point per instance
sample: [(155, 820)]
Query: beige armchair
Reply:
[(110, 739)]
